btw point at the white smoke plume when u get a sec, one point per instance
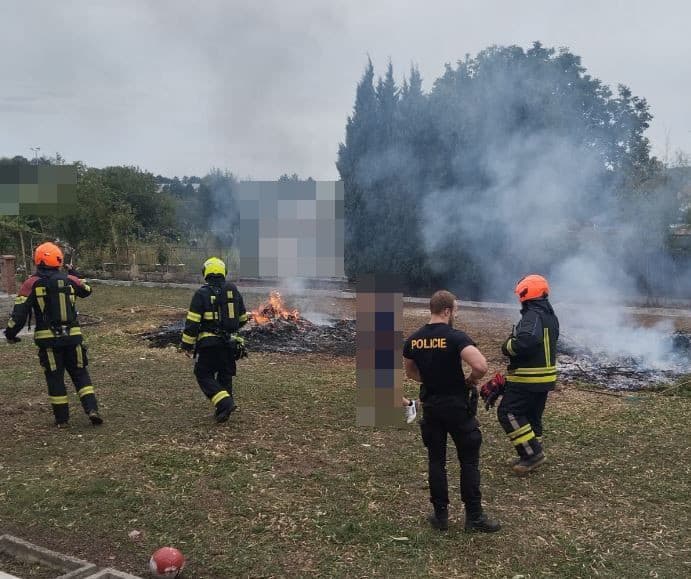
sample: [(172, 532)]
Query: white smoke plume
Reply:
[(536, 198)]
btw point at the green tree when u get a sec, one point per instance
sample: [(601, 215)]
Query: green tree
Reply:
[(473, 137), (153, 211)]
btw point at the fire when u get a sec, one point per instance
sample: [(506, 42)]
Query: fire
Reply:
[(273, 309)]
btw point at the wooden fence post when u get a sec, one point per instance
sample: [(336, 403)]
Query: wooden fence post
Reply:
[(9, 269), (134, 268)]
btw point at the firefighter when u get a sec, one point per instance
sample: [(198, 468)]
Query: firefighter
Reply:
[(531, 373), (217, 311), (50, 293), (433, 356)]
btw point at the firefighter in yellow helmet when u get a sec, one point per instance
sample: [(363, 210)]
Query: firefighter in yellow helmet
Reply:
[(216, 313), (51, 294), (531, 373)]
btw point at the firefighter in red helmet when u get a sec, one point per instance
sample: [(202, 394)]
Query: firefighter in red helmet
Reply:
[(51, 294), (531, 373)]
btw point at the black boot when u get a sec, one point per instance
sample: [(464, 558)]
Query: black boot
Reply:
[(225, 407), (481, 524), (95, 418), (526, 465), (439, 519)]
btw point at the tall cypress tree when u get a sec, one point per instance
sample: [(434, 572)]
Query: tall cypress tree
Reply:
[(357, 146)]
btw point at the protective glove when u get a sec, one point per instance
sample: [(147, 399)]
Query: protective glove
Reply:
[(239, 349), (11, 340), (492, 390)]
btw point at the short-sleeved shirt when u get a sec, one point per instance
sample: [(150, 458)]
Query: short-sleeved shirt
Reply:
[(436, 351)]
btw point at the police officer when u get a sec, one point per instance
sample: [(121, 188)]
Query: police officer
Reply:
[(51, 294), (433, 356), (217, 311), (532, 372)]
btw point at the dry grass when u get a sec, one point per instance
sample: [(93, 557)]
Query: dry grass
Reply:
[(291, 488)]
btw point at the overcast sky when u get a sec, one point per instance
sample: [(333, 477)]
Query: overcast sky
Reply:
[(265, 87)]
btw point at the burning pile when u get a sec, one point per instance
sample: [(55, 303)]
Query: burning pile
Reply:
[(274, 328), (272, 311), (580, 364)]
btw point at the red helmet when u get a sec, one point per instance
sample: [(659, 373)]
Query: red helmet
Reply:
[(167, 562), (532, 287), (49, 255)]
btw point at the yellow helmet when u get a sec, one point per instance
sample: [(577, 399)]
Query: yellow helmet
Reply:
[(214, 266)]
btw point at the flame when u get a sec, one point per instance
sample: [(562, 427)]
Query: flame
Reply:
[(274, 309)]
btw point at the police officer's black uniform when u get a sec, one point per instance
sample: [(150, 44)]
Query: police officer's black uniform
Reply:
[(448, 409)]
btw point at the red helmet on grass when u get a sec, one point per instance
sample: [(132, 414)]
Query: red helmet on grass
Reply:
[(166, 562)]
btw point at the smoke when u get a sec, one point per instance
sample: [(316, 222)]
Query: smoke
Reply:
[(523, 216), (546, 204), (219, 198), (527, 222), (294, 290), (597, 320)]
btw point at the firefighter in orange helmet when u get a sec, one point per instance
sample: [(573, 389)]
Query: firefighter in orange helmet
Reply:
[(51, 293), (531, 373)]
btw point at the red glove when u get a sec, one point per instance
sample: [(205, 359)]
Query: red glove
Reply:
[(492, 390)]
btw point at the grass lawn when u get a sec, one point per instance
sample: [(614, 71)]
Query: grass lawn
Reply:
[(289, 487)]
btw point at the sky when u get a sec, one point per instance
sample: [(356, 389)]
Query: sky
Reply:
[(263, 88)]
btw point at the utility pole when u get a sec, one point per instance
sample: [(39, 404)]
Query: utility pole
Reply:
[(20, 231), (20, 225)]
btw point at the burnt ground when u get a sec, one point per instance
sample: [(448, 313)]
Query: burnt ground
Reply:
[(577, 362), (290, 487), (333, 336)]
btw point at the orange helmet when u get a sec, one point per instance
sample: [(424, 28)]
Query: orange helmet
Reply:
[(532, 287), (48, 254)]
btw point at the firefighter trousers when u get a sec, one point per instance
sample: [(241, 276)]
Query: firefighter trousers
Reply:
[(438, 422), (520, 415), (73, 359), (214, 370)]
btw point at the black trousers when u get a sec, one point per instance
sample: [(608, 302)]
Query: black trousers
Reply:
[(520, 415), (436, 424), (214, 370), (73, 359)]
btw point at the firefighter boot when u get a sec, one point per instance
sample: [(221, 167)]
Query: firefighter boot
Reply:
[(439, 519), (516, 459), (95, 418), (526, 465), (481, 524), (224, 409)]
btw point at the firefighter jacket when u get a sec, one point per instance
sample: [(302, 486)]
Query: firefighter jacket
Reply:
[(51, 295), (532, 348), (216, 312)]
